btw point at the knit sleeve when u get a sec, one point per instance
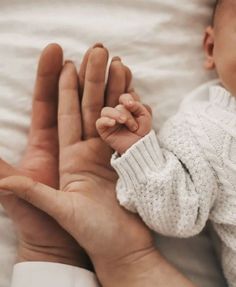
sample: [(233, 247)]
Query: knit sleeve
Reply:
[(169, 183)]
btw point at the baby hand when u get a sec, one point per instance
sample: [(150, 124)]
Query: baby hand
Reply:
[(124, 125)]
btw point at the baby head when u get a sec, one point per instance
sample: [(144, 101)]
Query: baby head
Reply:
[(220, 43)]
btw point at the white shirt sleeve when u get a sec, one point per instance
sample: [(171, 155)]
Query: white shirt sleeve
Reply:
[(45, 274)]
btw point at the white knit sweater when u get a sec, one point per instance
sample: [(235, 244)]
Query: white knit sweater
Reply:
[(188, 175)]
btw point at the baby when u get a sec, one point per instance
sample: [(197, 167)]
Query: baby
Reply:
[(186, 175)]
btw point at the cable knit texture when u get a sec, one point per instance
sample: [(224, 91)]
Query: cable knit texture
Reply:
[(187, 175)]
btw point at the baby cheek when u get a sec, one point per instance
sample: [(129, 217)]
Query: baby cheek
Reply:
[(226, 69)]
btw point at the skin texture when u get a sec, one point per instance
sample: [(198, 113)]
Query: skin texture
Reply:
[(86, 205), (124, 125), (39, 235), (220, 45)]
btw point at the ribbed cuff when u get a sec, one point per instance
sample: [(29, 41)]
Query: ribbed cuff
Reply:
[(134, 166), (38, 274)]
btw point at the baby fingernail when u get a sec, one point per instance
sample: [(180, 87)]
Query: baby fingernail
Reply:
[(123, 118), (111, 122)]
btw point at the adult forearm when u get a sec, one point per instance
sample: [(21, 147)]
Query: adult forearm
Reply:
[(139, 270)]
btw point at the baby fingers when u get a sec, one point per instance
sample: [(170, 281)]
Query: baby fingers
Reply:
[(126, 98), (104, 123), (136, 108), (121, 115)]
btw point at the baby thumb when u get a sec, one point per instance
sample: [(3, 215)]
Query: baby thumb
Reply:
[(39, 195)]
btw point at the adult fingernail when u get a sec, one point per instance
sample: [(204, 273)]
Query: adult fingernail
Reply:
[(116, 59), (68, 62), (98, 45)]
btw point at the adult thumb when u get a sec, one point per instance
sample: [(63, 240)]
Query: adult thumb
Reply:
[(39, 195)]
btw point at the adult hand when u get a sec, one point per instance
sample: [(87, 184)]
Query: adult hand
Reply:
[(40, 237), (119, 244), (87, 208)]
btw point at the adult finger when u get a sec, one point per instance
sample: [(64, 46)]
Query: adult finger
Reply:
[(7, 200), (128, 77), (94, 86), (39, 195), (149, 109), (83, 67), (69, 117), (6, 169), (116, 82), (44, 110)]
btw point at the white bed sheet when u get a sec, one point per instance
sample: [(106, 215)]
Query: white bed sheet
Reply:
[(159, 39)]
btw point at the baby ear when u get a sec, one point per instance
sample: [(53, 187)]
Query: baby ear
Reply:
[(208, 45)]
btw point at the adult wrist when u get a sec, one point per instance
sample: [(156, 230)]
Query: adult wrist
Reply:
[(143, 268), (131, 271)]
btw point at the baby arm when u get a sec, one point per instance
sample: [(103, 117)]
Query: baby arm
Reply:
[(126, 124), (170, 185)]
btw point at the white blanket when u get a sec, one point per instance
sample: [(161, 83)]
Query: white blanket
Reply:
[(159, 39)]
